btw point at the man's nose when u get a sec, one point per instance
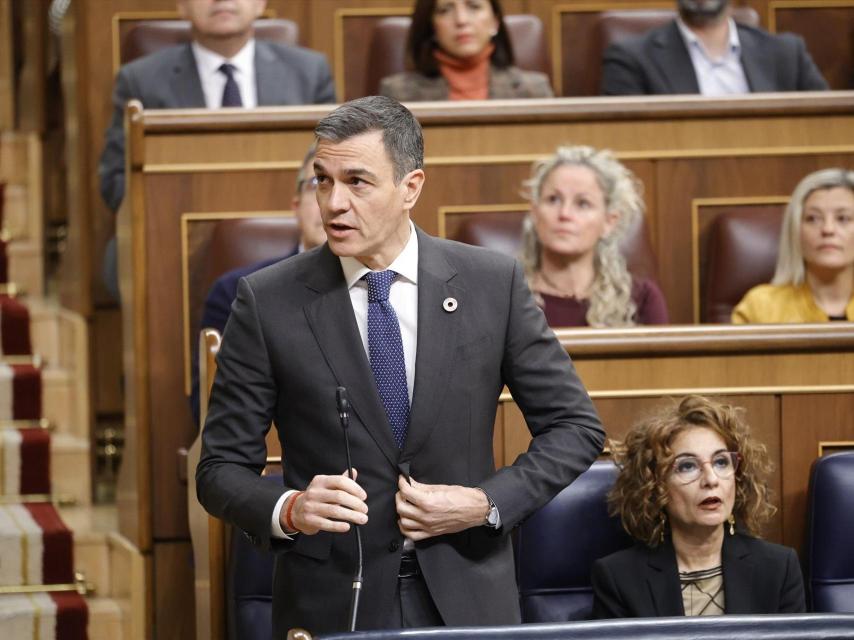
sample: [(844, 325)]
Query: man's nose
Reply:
[(337, 199)]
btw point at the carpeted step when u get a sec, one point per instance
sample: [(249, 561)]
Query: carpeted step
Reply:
[(4, 261), (44, 616), (14, 327), (25, 462), (20, 392), (36, 546)]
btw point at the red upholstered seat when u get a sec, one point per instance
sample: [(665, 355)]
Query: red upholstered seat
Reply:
[(742, 253), (388, 55)]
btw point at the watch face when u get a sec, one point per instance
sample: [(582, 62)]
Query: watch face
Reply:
[(492, 516)]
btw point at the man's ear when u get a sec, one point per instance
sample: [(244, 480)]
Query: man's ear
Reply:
[(182, 9), (261, 6), (411, 184)]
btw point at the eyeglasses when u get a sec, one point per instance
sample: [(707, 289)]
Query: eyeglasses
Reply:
[(309, 184), (687, 469)]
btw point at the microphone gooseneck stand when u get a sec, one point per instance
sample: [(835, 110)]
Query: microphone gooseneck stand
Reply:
[(344, 417)]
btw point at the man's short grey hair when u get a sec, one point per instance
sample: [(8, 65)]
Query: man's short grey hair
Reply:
[(790, 260), (402, 137)]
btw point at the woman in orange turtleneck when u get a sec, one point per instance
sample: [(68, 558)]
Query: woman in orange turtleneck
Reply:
[(461, 51)]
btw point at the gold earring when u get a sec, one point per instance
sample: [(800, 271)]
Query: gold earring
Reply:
[(663, 521), (731, 521)]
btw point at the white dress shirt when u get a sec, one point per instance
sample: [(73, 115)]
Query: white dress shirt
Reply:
[(403, 296), (716, 76), (213, 80)]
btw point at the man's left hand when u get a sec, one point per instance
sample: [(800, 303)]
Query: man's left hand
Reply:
[(427, 510)]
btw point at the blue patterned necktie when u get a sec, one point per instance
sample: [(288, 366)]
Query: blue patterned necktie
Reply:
[(385, 349), (231, 93)]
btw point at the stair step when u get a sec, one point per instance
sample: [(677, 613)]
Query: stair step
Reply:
[(108, 619), (26, 267), (92, 527), (70, 467)]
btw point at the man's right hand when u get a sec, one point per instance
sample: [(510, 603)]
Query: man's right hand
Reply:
[(330, 503)]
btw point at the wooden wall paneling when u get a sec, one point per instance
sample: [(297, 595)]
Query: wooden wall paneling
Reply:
[(31, 87), (174, 604), (807, 421), (827, 27), (7, 67)]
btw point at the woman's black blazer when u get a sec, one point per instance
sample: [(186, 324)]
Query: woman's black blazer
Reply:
[(643, 582)]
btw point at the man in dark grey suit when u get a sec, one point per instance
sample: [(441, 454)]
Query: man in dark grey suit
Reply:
[(223, 66), (424, 361), (704, 51)]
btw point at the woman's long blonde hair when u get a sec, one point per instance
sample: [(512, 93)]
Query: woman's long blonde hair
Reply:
[(611, 302)]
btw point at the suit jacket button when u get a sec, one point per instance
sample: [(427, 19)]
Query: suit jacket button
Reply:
[(393, 546)]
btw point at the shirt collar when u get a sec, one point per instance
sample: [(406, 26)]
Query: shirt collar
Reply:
[(692, 40), (405, 264), (209, 61)]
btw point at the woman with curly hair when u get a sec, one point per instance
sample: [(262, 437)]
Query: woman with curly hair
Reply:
[(583, 201), (692, 491)]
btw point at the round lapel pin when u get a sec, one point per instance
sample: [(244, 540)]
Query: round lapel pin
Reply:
[(449, 304)]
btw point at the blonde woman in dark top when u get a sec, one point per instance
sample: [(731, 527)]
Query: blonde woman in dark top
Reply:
[(583, 201), (692, 490), (460, 50)]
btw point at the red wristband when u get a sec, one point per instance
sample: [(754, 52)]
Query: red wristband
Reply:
[(289, 511)]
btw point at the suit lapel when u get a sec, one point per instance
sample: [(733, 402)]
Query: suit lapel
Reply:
[(756, 63), (185, 83), (437, 336), (663, 580), (273, 80), (740, 576), (331, 319), (671, 56)]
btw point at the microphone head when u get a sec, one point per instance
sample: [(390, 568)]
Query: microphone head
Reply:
[(343, 405)]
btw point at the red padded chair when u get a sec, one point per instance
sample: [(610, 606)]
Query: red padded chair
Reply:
[(742, 253), (148, 36), (388, 53)]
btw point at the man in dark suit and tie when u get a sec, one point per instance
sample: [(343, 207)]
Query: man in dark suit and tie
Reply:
[(704, 51), (424, 334), (224, 66)]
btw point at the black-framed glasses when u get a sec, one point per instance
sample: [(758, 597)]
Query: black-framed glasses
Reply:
[(687, 469)]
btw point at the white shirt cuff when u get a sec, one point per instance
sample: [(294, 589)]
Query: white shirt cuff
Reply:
[(276, 524)]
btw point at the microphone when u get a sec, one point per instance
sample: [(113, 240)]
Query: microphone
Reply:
[(344, 418)]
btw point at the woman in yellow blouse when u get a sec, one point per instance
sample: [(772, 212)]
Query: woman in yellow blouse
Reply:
[(814, 280)]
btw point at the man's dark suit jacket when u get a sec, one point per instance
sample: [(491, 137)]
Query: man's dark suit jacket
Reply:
[(169, 79), (643, 582), (292, 339), (215, 314), (658, 62)]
